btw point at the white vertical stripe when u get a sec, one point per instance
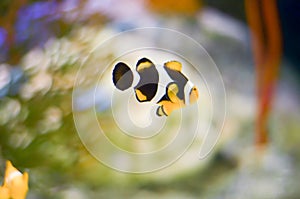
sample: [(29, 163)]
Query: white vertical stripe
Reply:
[(187, 89)]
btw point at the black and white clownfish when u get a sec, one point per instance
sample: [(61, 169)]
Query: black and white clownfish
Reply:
[(178, 93)]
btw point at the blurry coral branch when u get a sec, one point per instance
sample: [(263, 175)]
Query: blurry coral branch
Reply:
[(15, 185), (264, 25)]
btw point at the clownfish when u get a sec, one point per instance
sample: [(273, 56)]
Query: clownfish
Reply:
[(178, 93)]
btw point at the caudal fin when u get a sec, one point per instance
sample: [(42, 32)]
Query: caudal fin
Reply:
[(122, 76)]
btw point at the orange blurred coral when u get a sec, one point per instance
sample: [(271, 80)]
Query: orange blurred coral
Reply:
[(187, 7), (15, 183), (265, 30)]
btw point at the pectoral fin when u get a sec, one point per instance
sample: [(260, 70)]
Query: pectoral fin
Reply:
[(172, 91), (140, 96)]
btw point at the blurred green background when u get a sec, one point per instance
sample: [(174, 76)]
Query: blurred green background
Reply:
[(42, 44)]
